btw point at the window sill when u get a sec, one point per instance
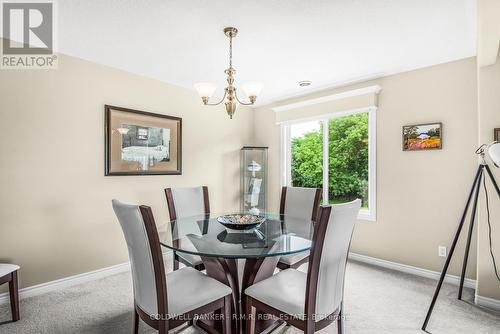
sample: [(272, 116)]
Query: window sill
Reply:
[(366, 215)]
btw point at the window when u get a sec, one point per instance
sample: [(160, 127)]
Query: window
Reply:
[(336, 153)]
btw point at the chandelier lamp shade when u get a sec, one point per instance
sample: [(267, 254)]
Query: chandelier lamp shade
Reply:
[(230, 98)]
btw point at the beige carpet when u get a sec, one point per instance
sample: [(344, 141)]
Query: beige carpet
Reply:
[(377, 301)]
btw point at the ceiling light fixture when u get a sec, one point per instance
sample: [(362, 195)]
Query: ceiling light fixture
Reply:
[(305, 83), (230, 99)]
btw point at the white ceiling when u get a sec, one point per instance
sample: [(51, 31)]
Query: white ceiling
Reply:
[(280, 42)]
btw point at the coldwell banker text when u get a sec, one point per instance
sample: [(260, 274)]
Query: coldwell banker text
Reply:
[(28, 35)]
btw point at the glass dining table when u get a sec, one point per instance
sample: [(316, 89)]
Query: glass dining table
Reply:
[(221, 249)]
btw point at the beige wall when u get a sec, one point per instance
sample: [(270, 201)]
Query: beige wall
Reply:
[(489, 118), (420, 195), (55, 216), (488, 31)]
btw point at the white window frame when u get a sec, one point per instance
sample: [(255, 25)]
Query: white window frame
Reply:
[(286, 177)]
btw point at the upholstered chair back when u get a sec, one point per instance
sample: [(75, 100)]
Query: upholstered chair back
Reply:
[(332, 263), (186, 202), (302, 203), (139, 251)]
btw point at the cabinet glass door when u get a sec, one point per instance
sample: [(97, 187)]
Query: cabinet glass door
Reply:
[(253, 179)]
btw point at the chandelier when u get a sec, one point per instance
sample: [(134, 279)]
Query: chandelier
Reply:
[(230, 98)]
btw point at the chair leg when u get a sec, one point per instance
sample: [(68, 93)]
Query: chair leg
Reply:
[(310, 326), (136, 321), (282, 266), (163, 328), (340, 321), (200, 267), (250, 316), (226, 311), (14, 297), (176, 261)]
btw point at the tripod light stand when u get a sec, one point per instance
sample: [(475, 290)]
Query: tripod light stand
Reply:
[(494, 153)]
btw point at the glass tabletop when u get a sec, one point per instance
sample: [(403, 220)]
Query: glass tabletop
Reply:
[(204, 235)]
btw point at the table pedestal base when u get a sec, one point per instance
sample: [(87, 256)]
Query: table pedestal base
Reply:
[(226, 271)]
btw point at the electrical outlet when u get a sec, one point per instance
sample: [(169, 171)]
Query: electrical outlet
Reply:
[(442, 251)]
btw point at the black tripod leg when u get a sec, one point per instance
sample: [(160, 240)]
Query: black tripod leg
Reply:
[(452, 249), (469, 236)]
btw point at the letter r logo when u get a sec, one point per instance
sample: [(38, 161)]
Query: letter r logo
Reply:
[(30, 24)]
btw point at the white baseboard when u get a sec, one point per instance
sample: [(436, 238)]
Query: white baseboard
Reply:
[(65, 282), (490, 303), (451, 279)]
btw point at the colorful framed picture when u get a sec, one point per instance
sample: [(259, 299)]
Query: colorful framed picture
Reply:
[(496, 134), (422, 137), (142, 143)]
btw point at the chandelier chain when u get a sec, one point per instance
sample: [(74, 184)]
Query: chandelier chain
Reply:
[(231, 51)]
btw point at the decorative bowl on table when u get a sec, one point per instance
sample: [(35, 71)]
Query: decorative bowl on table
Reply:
[(241, 222)]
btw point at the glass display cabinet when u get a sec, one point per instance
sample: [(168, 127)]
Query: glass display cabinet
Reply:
[(253, 186)]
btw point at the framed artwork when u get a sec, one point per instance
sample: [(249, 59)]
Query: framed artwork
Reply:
[(496, 134), (422, 137), (141, 143)]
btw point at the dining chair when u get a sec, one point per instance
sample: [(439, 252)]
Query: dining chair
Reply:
[(190, 292), (8, 273), (302, 203), (313, 300), (186, 202)]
